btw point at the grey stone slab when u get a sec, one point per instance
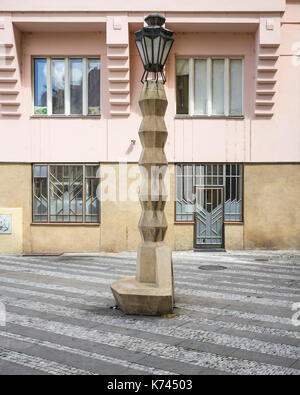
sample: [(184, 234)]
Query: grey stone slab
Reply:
[(208, 347), (13, 344), (263, 358), (86, 345), (12, 369), (296, 365), (74, 360)]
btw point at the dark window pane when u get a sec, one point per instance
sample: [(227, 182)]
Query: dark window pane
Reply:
[(58, 86), (182, 86), (233, 188), (94, 86), (40, 86), (76, 76), (227, 189)]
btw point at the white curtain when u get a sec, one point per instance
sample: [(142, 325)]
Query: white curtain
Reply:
[(236, 87), (200, 88), (182, 67), (218, 86)]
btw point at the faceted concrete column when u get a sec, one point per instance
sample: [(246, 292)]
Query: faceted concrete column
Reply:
[(151, 291)]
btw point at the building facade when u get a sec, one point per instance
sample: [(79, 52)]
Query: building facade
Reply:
[(69, 119)]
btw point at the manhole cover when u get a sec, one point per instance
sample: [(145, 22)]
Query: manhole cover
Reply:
[(261, 260), (212, 267)]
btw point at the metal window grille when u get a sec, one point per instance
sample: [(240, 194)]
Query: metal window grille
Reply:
[(65, 193), (228, 176)]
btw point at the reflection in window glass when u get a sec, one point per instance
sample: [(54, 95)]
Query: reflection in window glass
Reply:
[(200, 86), (58, 86), (182, 86), (65, 193), (93, 86), (218, 86), (76, 75), (40, 86), (236, 87), (228, 176)]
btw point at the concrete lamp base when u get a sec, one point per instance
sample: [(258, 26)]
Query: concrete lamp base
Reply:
[(148, 298)]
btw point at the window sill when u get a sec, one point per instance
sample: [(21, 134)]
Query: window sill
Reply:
[(186, 116), (66, 116), (183, 222), (192, 222), (65, 224)]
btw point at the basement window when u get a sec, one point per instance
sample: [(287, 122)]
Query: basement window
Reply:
[(65, 193), (66, 86)]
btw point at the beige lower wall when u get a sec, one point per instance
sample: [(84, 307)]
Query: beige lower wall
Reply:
[(271, 215), (183, 237), (16, 192), (234, 236), (61, 238), (272, 206)]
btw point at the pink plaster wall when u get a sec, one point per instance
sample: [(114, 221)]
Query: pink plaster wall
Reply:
[(138, 5), (109, 139)]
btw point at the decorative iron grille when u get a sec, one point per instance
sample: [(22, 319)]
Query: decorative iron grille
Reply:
[(228, 176), (65, 193)]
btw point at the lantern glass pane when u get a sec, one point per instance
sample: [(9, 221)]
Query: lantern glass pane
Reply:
[(148, 43), (166, 51), (156, 42), (161, 48), (145, 51), (141, 52)]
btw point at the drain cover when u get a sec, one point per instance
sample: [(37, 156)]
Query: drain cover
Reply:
[(261, 260), (212, 267)]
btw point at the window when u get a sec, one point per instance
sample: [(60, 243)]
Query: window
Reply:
[(65, 193), (66, 86), (209, 87), (190, 175)]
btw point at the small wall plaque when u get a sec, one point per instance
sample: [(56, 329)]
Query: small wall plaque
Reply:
[(5, 223)]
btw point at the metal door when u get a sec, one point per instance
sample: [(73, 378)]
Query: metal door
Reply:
[(209, 217)]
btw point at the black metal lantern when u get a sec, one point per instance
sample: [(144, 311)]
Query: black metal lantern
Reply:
[(154, 43)]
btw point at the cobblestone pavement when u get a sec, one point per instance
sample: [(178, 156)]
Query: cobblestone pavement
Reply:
[(236, 320)]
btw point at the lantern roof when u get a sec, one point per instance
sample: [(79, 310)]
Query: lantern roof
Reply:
[(154, 43)]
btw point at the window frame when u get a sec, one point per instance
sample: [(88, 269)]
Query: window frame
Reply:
[(84, 178), (209, 86), (67, 99), (242, 189)]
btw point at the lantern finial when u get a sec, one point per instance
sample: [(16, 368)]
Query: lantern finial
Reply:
[(154, 43)]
